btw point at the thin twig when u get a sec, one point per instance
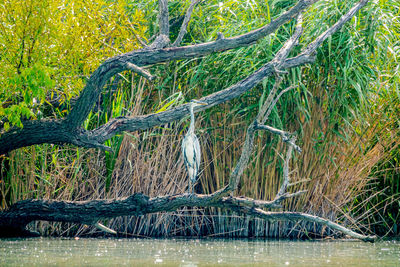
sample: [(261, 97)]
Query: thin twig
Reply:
[(140, 40), (277, 61), (139, 70), (261, 116), (286, 137), (272, 105), (104, 228)]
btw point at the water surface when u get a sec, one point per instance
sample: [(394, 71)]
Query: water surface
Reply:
[(203, 252)]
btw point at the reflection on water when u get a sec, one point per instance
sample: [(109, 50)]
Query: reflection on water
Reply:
[(203, 252)]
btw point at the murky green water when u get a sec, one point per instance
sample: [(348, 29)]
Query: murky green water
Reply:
[(176, 252)]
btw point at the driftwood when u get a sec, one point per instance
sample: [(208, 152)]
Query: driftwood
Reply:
[(89, 212), (14, 220)]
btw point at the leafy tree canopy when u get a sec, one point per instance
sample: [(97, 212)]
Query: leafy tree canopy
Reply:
[(48, 47)]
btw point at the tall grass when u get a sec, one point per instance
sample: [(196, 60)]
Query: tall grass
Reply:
[(341, 113)]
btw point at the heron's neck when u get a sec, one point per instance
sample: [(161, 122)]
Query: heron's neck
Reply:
[(191, 127)]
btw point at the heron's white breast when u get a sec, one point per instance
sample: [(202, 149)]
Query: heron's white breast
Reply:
[(189, 150)]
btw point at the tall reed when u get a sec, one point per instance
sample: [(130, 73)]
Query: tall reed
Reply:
[(347, 147)]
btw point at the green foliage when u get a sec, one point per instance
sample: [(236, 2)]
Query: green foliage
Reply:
[(381, 204), (48, 49)]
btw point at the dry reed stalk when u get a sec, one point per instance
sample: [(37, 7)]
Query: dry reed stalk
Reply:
[(150, 162), (145, 161)]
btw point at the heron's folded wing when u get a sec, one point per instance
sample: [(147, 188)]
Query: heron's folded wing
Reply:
[(188, 149), (197, 152)]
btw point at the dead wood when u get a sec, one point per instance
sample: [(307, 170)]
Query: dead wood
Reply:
[(14, 220)]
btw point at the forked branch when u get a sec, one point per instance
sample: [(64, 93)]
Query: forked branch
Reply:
[(185, 23), (263, 114), (150, 55)]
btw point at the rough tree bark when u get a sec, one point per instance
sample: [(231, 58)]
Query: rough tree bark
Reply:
[(69, 130)]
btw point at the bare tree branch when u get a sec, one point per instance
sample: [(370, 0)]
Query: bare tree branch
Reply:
[(34, 132), (163, 17), (104, 228), (272, 105), (312, 47), (160, 42), (185, 23), (286, 137), (262, 115), (297, 216), (139, 70), (153, 54), (307, 56), (249, 202), (162, 39), (288, 46), (286, 178)]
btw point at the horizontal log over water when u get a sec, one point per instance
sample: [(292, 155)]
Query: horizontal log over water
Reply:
[(90, 212)]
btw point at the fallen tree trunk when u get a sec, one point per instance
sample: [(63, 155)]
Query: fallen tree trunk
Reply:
[(14, 220)]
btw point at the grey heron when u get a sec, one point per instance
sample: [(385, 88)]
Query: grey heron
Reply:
[(191, 147)]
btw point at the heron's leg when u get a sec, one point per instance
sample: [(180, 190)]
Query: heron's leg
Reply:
[(190, 186)]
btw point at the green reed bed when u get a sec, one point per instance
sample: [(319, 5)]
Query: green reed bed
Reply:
[(344, 111)]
